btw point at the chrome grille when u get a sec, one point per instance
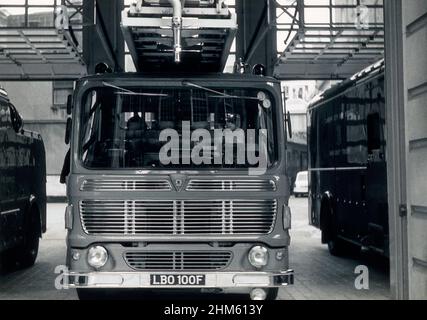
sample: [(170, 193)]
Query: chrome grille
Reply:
[(178, 260), (126, 185), (231, 185), (189, 217)]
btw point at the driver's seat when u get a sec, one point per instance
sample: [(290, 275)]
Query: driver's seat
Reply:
[(135, 132)]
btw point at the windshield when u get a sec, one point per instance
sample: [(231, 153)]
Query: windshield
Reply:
[(187, 127)]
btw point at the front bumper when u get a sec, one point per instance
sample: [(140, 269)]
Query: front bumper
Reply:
[(135, 280)]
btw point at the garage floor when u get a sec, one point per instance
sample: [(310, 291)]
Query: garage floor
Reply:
[(318, 275)]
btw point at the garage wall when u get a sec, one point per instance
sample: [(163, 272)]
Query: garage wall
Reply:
[(53, 133), (406, 78), (415, 80), (34, 101)]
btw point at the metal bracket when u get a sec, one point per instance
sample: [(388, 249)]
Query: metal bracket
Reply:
[(403, 210), (206, 37)]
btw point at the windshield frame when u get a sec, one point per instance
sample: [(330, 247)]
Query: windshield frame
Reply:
[(85, 86)]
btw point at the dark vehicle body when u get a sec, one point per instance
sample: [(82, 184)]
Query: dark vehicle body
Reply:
[(171, 221), (22, 189), (347, 163)]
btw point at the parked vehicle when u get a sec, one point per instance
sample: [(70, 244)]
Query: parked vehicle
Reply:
[(135, 221), (22, 189), (301, 184), (163, 193), (347, 163)]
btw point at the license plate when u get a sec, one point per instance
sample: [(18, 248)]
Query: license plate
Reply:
[(177, 280)]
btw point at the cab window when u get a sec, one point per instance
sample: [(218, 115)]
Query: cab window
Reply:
[(5, 120)]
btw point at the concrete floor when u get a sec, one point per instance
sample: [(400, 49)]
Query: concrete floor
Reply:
[(318, 275)]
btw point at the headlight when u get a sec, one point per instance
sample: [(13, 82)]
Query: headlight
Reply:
[(97, 257), (258, 256)]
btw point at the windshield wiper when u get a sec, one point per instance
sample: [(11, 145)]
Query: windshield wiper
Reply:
[(218, 93), (127, 92), (90, 142)]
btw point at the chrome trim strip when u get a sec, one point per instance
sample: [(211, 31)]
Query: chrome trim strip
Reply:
[(338, 169), (10, 211), (115, 185), (231, 185)]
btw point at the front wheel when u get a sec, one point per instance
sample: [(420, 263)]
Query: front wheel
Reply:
[(26, 254), (3, 262), (90, 294), (337, 247), (272, 294)]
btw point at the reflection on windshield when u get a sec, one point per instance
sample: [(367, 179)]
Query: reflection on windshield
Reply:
[(125, 127)]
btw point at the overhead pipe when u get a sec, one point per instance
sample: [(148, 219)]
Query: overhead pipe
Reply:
[(176, 27)]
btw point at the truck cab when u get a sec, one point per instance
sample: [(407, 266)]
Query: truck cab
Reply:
[(164, 191), (177, 172)]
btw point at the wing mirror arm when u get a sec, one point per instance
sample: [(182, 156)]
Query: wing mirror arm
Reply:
[(288, 124), (69, 104), (17, 121), (68, 131)]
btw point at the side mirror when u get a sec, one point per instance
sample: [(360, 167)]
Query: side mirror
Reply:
[(289, 124), (16, 119), (68, 131), (69, 104)]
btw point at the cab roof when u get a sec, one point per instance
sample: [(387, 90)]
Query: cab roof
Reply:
[(367, 73), (3, 94), (179, 76)]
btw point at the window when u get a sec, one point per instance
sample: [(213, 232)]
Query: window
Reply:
[(122, 129), (61, 91), (300, 93), (355, 127), (286, 92), (374, 133), (4, 115)]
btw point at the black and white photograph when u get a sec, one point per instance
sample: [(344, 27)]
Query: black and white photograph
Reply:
[(185, 152)]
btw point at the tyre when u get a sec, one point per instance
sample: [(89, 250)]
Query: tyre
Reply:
[(87, 294), (272, 294), (25, 255), (337, 247), (329, 227), (2, 265), (97, 294), (8, 261)]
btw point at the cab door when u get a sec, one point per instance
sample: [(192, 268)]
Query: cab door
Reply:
[(376, 177), (9, 210), (3, 187), (22, 173)]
